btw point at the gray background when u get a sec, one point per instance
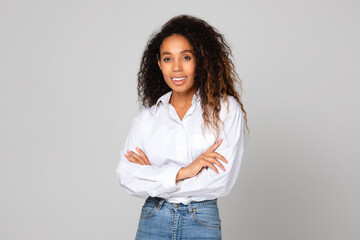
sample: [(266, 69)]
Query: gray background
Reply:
[(68, 95)]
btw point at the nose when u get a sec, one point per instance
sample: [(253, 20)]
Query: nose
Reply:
[(177, 66)]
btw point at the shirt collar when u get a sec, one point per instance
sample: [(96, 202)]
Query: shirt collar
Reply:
[(165, 99)]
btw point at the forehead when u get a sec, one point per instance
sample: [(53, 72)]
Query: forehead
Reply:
[(175, 43)]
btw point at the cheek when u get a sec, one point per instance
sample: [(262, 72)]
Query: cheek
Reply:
[(192, 69), (165, 70)]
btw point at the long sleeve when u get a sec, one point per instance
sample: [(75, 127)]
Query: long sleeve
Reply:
[(208, 184), (171, 143), (145, 180)]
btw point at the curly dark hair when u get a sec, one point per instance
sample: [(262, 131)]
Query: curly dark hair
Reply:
[(215, 74)]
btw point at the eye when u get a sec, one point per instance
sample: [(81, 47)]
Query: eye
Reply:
[(167, 59), (187, 58)]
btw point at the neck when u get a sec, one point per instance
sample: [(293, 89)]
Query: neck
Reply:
[(182, 99)]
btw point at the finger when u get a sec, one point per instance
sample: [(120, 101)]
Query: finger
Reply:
[(210, 165), (207, 163), (142, 154), (132, 159), (215, 161), (141, 158), (217, 155), (136, 156), (215, 146)]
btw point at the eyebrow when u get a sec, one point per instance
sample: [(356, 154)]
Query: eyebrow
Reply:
[(184, 51)]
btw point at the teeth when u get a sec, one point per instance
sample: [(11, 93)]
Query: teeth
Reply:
[(179, 79)]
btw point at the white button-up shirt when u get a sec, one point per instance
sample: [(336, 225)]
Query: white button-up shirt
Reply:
[(170, 144)]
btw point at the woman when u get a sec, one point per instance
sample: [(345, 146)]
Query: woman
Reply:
[(185, 147)]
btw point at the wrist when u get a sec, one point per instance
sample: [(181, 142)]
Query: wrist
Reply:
[(181, 174)]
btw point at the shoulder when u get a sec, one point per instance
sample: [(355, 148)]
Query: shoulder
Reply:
[(141, 121), (140, 118), (143, 115), (232, 115), (230, 106)]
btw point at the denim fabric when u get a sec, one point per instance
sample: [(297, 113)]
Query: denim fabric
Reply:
[(160, 220)]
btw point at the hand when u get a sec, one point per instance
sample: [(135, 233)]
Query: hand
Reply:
[(139, 158), (205, 160)]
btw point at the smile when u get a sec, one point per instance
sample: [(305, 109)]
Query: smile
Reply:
[(178, 78)]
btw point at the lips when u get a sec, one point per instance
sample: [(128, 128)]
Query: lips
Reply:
[(178, 79)]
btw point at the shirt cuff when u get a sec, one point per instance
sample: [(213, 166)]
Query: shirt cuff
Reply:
[(168, 178)]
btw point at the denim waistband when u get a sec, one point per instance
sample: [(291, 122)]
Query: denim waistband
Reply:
[(161, 202)]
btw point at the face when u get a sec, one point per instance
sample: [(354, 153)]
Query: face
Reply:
[(177, 63)]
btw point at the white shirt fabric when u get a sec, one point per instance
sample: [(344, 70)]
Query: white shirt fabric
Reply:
[(171, 143)]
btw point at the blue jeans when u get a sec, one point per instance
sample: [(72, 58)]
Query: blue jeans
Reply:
[(160, 220)]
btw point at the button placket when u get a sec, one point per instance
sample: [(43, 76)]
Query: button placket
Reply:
[(182, 146)]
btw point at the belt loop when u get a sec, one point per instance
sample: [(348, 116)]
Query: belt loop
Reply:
[(190, 208), (161, 202)]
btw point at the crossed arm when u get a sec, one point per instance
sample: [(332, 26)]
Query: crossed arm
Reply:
[(208, 159), (204, 178)]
